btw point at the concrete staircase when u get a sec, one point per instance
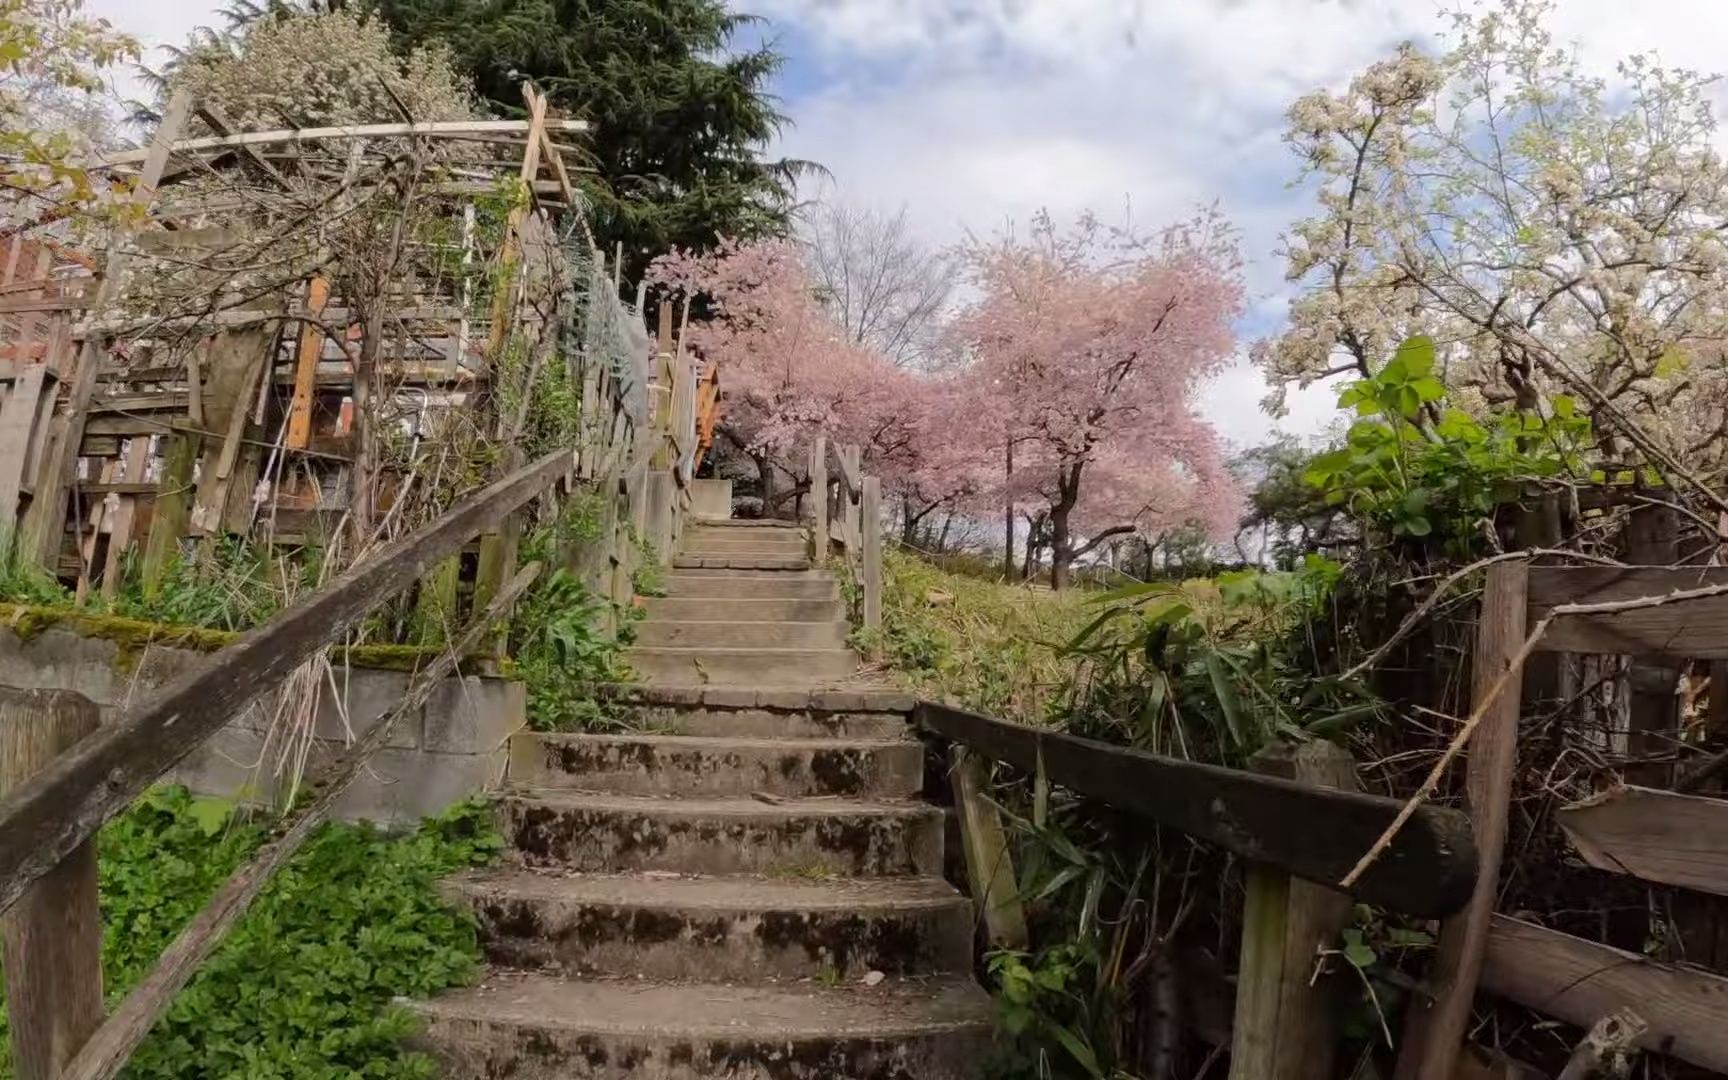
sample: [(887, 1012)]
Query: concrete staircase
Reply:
[(743, 607), (750, 888)]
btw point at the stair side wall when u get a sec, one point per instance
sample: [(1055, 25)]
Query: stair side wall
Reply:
[(455, 747)]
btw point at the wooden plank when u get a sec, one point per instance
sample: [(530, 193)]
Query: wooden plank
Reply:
[(1313, 833), (1581, 981), (109, 1048), (870, 572), (18, 429), (1653, 835), (350, 131), (1433, 1035), (819, 500), (60, 808), (1692, 629), (47, 522), (1286, 1025), (125, 516), (53, 934), (984, 844)]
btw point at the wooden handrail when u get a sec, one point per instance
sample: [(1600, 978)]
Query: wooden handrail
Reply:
[(47, 817), (1313, 833), (111, 1046)]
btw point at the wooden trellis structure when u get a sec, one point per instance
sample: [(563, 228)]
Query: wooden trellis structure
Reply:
[(231, 369)]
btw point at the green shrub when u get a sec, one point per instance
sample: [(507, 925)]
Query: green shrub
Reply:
[(303, 986)]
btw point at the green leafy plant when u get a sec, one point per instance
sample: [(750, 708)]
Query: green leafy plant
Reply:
[(231, 584), (564, 652), (22, 581), (1200, 670), (304, 987), (1417, 469)]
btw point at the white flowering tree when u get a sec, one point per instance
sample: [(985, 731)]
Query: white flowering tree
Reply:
[(304, 69), (1552, 234), (52, 58)]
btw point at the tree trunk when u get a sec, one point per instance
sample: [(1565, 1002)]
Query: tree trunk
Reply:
[(1061, 549), (765, 482), (1008, 519)]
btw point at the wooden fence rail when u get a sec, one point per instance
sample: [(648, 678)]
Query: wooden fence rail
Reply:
[(1314, 833), (1672, 612)]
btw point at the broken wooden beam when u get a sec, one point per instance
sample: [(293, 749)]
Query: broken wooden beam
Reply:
[(1688, 629), (1580, 981)]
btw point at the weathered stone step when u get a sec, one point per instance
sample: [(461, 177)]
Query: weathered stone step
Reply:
[(726, 634), (743, 609), (753, 584), (753, 723), (539, 1027), (760, 541), (735, 667), (718, 929), (740, 561), (708, 766), (618, 833)]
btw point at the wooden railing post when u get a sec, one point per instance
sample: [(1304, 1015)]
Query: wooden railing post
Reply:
[(989, 867), (53, 934), (819, 499), (870, 507), (1286, 1024), (1434, 1035)]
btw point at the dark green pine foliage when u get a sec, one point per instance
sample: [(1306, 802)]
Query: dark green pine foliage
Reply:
[(682, 108)]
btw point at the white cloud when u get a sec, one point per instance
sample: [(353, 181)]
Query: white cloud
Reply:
[(973, 113)]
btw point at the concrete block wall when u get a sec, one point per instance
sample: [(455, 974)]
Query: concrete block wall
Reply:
[(454, 747), (711, 499)]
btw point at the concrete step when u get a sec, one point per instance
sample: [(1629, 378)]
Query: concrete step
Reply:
[(752, 585), (740, 561), (714, 633), (540, 1027), (736, 667), (709, 766), (718, 929), (753, 723), (743, 524), (619, 833), (743, 610), (728, 541)]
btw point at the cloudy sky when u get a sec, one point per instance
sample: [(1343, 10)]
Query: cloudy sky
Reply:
[(975, 113)]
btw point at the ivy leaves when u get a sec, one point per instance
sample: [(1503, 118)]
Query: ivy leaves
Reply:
[(303, 988)]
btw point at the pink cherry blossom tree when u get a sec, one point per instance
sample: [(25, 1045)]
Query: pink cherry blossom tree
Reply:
[(1088, 345)]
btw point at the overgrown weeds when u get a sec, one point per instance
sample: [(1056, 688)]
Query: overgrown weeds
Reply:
[(305, 985)]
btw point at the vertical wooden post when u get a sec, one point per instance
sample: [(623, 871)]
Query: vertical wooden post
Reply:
[(1286, 1027), (870, 513), (306, 365), (989, 866), (850, 511), (53, 934), (1433, 1035), (819, 499), (1652, 539), (18, 430)]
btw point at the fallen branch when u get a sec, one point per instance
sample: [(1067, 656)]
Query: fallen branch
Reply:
[(1515, 669), (113, 1043)]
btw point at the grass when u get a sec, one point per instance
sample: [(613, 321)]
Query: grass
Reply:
[(987, 645)]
